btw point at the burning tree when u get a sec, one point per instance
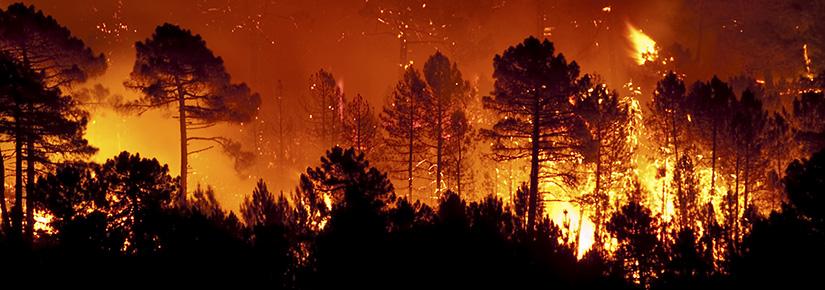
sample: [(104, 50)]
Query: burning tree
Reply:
[(42, 122), (687, 199), (609, 121), (667, 124), (747, 160), (533, 91), (325, 108), (458, 148), (56, 59), (710, 106), (403, 118), (176, 68), (360, 126), (449, 91)]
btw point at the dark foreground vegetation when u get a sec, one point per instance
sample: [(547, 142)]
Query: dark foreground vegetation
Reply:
[(122, 221), (128, 221)]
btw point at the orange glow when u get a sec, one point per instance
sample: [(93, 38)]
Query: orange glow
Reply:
[(644, 47), (43, 223), (808, 73)]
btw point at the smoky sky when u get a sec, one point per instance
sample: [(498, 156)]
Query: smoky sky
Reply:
[(263, 42)]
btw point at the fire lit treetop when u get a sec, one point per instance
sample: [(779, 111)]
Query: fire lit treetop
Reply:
[(175, 67), (534, 92), (668, 117), (41, 43)]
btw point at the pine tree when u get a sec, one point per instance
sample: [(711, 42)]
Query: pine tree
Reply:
[(176, 68), (449, 91), (325, 108), (42, 122), (403, 119), (609, 121), (360, 126), (532, 92), (40, 43)]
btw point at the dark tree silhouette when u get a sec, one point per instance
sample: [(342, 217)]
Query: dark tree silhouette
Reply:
[(360, 126), (126, 194), (325, 107), (639, 253), (176, 68), (808, 116), (784, 250), (360, 196), (687, 200), (609, 120), (403, 118), (710, 108), (42, 122), (746, 158), (533, 87), (270, 219), (40, 43), (668, 123), (458, 151), (449, 92)]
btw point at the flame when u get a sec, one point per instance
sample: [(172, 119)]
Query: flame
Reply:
[(644, 47), (808, 73), (43, 223)]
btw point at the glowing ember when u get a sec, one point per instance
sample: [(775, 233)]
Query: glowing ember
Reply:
[(43, 223), (808, 73), (644, 47)]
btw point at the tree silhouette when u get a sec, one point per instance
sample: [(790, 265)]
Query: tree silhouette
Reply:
[(458, 151), (176, 68), (270, 217), (360, 126), (42, 122), (609, 121), (40, 43), (668, 124), (533, 87), (449, 91), (746, 131), (403, 119), (639, 254), (360, 196), (710, 107), (127, 194), (808, 113), (687, 200), (798, 229), (325, 107)]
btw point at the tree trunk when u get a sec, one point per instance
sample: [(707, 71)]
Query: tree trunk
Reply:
[(532, 209), (184, 148), (458, 166), (17, 209), (6, 217), (411, 136), (735, 219), (438, 150), (30, 195), (746, 185), (713, 161)]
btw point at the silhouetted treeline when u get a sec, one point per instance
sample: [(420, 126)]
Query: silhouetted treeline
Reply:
[(344, 227), (759, 221)]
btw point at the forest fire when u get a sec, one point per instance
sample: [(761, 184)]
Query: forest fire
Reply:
[(476, 143), (644, 47)]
